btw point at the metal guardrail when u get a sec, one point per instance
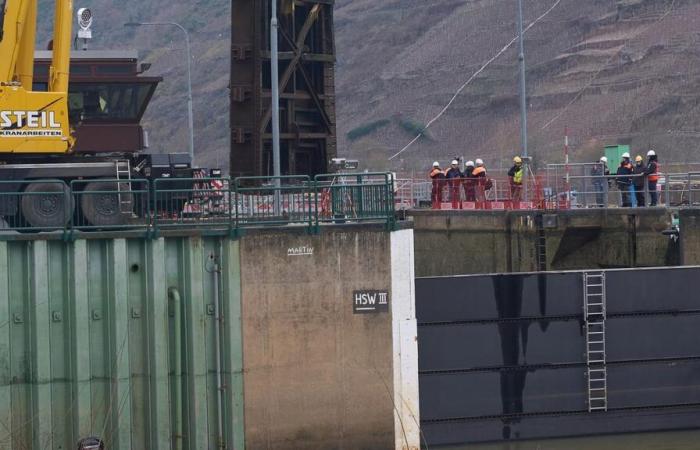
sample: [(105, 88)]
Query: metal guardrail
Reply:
[(555, 190), (255, 199), (354, 197), (221, 204)]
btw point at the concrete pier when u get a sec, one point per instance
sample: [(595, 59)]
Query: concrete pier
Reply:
[(320, 372), (474, 242)]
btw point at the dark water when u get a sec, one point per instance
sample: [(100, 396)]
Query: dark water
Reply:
[(676, 440)]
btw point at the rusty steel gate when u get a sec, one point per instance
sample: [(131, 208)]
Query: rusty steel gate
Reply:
[(307, 87), (520, 356)]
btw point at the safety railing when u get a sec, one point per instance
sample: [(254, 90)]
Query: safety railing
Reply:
[(609, 191), (273, 201), (190, 203), (681, 189), (343, 198), (492, 192), (412, 193), (584, 187), (194, 203), (109, 204), (47, 205)]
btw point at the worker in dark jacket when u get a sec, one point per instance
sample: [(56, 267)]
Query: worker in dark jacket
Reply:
[(624, 181), (600, 174), (469, 182), (639, 170), (652, 173), (437, 176), (454, 180)]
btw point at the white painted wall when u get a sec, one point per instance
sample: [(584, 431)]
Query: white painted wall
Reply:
[(405, 342)]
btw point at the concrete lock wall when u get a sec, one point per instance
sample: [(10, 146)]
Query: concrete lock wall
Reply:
[(117, 338), (320, 374), (475, 242), (689, 222)]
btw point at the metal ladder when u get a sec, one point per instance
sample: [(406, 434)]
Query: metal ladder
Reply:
[(594, 313), (124, 186), (541, 245)]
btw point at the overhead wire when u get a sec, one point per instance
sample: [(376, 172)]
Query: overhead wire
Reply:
[(581, 91), (472, 77)]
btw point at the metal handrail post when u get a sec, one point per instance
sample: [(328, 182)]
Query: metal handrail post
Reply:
[(647, 196), (606, 190)]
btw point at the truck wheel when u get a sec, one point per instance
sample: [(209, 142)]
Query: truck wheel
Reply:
[(103, 205), (47, 205)]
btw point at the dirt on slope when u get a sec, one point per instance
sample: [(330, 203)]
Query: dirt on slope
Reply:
[(624, 71)]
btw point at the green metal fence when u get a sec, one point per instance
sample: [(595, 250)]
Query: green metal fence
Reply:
[(355, 197), (213, 204), (273, 201)]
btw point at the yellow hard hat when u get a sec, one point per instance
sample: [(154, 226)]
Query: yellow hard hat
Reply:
[(638, 158), (518, 160)]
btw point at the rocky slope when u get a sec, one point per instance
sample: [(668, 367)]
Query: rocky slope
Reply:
[(612, 71), (208, 22), (624, 71)]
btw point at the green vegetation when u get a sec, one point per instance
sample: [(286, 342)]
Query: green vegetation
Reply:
[(366, 129), (415, 128)]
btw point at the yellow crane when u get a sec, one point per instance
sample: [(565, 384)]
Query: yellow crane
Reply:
[(33, 122), (46, 179)]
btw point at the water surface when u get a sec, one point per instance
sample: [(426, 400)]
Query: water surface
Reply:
[(674, 440)]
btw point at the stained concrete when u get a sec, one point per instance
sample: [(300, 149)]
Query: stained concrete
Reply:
[(689, 222), (316, 375), (473, 242)]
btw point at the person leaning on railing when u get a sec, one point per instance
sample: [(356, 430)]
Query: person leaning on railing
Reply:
[(438, 178), (652, 172)]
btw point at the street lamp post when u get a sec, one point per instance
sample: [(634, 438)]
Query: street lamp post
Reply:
[(523, 100), (190, 114), (274, 82)]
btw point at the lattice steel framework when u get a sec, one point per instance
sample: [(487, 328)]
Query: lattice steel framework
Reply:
[(307, 87)]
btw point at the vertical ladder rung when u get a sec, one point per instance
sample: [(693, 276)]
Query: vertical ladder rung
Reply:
[(594, 310)]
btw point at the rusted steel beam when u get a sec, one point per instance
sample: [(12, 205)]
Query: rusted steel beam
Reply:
[(307, 87)]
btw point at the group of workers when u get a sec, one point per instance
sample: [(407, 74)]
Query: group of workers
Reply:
[(474, 180), (631, 180)]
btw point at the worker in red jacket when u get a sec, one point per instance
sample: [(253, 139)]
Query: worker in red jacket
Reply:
[(481, 183), (437, 176)]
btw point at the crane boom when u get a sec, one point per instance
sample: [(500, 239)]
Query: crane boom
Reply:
[(33, 122)]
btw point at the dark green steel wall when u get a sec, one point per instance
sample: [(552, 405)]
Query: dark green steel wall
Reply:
[(88, 343)]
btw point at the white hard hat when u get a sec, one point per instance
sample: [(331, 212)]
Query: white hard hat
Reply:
[(436, 164), (626, 155), (454, 162), (651, 153), (604, 159), (469, 164), (479, 162)]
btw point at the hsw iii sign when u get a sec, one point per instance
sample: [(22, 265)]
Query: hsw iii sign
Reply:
[(370, 302), (29, 124)]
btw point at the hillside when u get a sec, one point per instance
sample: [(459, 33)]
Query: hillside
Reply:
[(208, 22), (624, 71), (612, 71)]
